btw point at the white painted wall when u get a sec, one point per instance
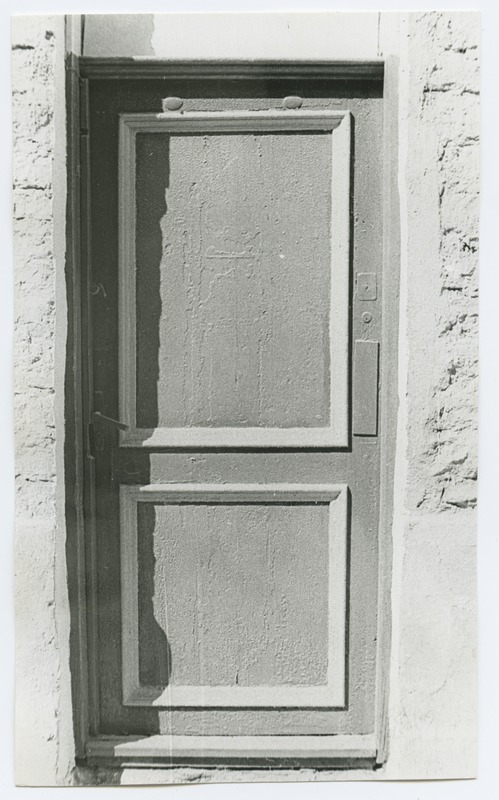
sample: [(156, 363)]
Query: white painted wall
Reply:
[(433, 682), (44, 749), (293, 36)]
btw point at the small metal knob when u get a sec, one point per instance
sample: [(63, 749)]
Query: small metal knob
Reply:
[(172, 103), (292, 101)]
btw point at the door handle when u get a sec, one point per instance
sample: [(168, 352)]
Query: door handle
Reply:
[(113, 423)]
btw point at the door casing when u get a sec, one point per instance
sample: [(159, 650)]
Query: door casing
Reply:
[(78, 75)]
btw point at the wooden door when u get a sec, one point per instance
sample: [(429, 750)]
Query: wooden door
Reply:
[(235, 268)]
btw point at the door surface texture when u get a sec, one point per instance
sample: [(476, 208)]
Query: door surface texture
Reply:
[(234, 329)]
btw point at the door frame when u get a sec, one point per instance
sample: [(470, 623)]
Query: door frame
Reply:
[(349, 751)]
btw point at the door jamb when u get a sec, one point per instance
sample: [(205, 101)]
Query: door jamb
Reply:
[(79, 507)]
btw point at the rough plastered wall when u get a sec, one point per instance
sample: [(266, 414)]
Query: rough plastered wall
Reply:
[(43, 724), (433, 703)]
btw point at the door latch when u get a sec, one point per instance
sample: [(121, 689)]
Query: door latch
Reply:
[(96, 437), (113, 423)]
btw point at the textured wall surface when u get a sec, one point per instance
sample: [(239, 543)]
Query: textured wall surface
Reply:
[(42, 689), (433, 702), (443, 207)]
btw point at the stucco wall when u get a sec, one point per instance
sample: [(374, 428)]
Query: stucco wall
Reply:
[(43, 708), (232, 36), (432, 691)]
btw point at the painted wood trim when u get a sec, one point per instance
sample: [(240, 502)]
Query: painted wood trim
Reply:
[(114, 68), (224, 121), (74, 444), (235, 492), (244, 438), (335, 435), (388, 373), (340, 279), (365, 388), (163, 749), (329, 695), (87, 407)]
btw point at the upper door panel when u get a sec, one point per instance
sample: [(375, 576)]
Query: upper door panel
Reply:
[(234, 278)]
